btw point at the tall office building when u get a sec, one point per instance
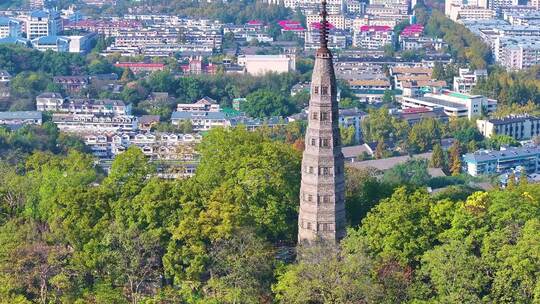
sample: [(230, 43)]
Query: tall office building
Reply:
[(322, 190)]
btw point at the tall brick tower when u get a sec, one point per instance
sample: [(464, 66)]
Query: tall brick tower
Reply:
[(322, 192)]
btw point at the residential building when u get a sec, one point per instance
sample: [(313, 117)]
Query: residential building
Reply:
[(19, 118), (5, 77), (205, 104), (338, 21), (93, 123), (43, 23), (370, 90), (72, 83), (140, 67), (486, 162), (201, 121), (146, 122), (157, 146), (372, 37), (468, 79), (414, 115), (519, 52), (520, 127), (196, 66), (337, 39), (261, 64), (49, 102), (291, 26), (454, 104), (10, 27)]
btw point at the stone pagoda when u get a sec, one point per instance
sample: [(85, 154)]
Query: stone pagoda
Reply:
[(322, 191)]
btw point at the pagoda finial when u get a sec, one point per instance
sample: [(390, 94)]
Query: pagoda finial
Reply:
[(324, 26)]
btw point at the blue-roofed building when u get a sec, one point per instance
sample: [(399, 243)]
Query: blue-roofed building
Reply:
[(43, 23), (14, 40), (54, 43), (201, 121), (486, 162), (9, 27), (19, 118)]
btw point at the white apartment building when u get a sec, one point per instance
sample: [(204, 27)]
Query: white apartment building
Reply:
[(49, 102), (205, 104), (518, 52), (454, 104), (521, 127), (5, 77), (338, 21), (10, 27), (261, 64), (337, 39), (201, 121), (91, 123), (43, 23), (471, 13), (467, 79), (372, 37)]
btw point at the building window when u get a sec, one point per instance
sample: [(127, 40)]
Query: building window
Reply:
[(309, 225), (314, 142), (324, 90), (316, 89), (324, 116), (309, 198), (325, 142), (310, 169), (324, 171), (315, 116)]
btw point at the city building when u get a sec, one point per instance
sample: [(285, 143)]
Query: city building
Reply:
[(205, 104), (454, 104), (468, 79), (372, 37), (94, 123), (520, 127), (140, 67), (5, 77), (82, 43), (291, 26), (414, 115), (49, 102), (322, 191), (201, 121), (10, 27), (43, 23), (54, 43), (486, 162), (19, 118), (72, 83), (337, 39), (261, 64), (196, 66)]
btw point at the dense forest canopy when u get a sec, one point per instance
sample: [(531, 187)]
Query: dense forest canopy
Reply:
[(70, 234)]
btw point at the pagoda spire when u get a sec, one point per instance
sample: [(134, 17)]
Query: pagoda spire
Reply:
[(324, 27)]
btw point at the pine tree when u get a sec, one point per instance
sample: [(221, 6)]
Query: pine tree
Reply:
[(437, 158), (455, 156)]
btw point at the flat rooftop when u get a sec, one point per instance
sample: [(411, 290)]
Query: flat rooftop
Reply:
[(508, 153), (440, 102)]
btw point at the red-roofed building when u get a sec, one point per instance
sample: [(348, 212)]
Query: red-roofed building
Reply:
[(373, 37), (413, 30), (137, 67), (292, 26)]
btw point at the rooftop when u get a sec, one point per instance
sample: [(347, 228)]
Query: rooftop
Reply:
[(508, 153), (20, 115)]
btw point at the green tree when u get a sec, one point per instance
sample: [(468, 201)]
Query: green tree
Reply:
[(399, 227), (266, 103)]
